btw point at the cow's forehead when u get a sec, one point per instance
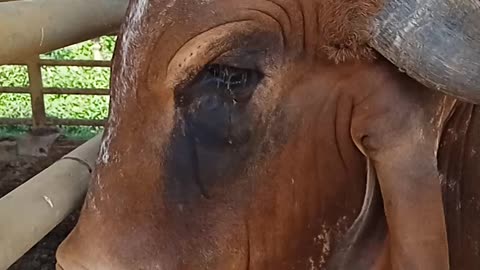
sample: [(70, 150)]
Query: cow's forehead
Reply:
[(341, 29)]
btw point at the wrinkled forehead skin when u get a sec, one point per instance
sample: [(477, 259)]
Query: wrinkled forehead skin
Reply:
[(281, 199), (155, 31)]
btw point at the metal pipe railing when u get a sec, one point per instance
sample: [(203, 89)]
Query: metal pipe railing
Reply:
[(33, 209), (28, 28)]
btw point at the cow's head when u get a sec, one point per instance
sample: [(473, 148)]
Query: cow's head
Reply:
[(235, 138)]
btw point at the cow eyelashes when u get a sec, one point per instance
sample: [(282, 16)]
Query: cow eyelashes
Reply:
[(238, 83), (229, 84), (226, 76)]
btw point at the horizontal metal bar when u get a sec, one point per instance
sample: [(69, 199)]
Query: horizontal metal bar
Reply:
[(65, 63), (16, 121), (57, 91), (29, 28), (53, 121), (78, 63), (75, 91), (75, 122), (14, 90)]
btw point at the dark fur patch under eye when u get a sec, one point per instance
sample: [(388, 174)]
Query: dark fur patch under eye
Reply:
[(213, 105)]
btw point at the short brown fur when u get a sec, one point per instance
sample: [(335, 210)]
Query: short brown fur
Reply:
[(345, 28)]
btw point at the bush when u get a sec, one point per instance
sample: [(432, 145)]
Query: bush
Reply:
[(62, 106)]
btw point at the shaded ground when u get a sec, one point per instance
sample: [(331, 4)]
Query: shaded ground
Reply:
[(15, 172)]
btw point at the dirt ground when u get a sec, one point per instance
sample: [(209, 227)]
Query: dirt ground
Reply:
[(15, 172)]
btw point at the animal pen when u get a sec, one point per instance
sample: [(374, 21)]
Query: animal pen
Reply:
[(27, 29)]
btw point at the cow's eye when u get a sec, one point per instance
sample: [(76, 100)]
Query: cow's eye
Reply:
[(214, 104), (237, 83)]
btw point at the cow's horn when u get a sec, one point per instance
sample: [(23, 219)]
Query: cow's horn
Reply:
[(437, 42)]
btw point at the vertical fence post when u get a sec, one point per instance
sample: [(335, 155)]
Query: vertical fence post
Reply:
[(36, 93)]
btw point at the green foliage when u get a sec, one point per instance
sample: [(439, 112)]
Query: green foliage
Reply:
[(76, 77), (15, 106), (84, 50), (80, 133), (13, 76), (12, 131), (62, 106), (71, 132), (76, 107)]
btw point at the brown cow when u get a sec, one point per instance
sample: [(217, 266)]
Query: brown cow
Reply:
[(268, 134)]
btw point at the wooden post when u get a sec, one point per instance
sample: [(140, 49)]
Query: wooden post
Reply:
[(36, 93)]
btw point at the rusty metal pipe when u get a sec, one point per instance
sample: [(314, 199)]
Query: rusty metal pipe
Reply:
[(33, 209), (28, 28)]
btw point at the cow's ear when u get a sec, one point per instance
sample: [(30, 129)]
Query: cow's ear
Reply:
[(412, 198), (365, 245), (397, 130)]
